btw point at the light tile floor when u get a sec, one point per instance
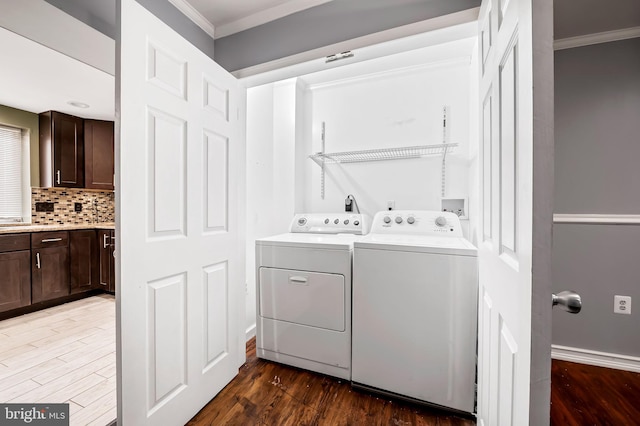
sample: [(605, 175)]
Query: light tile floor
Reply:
[(63, 354)]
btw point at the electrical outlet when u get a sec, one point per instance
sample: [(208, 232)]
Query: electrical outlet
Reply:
[(391, 205), (622, 304)]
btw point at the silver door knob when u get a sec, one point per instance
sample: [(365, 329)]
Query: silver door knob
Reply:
[(569, 300)]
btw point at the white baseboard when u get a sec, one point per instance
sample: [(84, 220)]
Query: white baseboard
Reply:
[(599, 359), (251, 332)]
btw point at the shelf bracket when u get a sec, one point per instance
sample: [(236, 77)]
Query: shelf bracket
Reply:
[(322, 165), (445, 139)]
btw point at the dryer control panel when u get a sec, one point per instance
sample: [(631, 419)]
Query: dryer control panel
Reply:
[(330, 223), (417, 222)]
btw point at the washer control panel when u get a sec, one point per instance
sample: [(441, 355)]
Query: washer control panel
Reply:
[(417, 222), (330, 223)]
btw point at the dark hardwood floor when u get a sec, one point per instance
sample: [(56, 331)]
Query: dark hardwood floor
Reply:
[(267, 393), (587, 395)]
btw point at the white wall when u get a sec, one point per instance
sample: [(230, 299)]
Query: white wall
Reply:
[(271, 136), (474, 147), (387, 110), (383, 110)]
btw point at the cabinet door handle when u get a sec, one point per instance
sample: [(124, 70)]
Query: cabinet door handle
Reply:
[(104, 241), (58, 177), (51, 240), (38, 260)]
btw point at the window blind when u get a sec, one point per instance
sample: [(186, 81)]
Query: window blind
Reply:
[(10, 174)]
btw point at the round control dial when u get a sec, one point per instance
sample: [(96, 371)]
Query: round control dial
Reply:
[(387, 219), (302, 221), (337, 221), (441, 221), (411, 220), (398, 219)]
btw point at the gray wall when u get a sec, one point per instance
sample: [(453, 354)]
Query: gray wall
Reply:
[(101, 15), (98, 14), (597, 122), (323, 25), (598, 261), (597, 136), (184, 26)]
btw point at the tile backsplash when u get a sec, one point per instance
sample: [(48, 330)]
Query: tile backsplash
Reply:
[(97, 206)]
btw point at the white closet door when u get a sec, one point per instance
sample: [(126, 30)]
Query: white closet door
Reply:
[(180, 270), (516, 175)]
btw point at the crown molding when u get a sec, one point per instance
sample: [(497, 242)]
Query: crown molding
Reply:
[(597, 38), (268, 15), (195, 16)]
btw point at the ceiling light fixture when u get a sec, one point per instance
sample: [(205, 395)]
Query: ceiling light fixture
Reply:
[(78, 104)]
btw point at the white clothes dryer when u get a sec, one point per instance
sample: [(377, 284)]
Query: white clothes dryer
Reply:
[(415, 288), (303, 293)]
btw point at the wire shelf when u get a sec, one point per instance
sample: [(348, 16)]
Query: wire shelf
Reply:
[(383, 154)]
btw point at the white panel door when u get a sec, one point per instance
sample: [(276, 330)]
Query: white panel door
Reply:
[(179, 294), (516, 178)]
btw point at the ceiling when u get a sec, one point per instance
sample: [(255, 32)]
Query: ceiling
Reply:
[(35, 78), (30, 86)]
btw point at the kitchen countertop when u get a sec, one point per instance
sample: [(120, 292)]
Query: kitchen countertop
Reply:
[(55, 227)]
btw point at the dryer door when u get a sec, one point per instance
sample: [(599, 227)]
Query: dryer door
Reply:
[(300, 297)]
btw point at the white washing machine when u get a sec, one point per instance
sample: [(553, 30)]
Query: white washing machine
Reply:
[(415, 286), (303, 293)]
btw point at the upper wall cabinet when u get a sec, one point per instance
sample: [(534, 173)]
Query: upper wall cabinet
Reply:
[(76, 153), (98, 154), (61, 150)]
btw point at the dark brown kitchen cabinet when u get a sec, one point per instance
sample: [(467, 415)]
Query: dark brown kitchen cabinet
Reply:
[(61, 150), (49, 265), (15, 271), (83, 258), (107, 280), (98, 154)]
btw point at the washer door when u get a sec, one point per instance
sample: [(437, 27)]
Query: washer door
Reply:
[(300, 297)]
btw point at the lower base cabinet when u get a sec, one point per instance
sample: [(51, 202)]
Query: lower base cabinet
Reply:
[(15, 271), (15, 281), (49, 265), (49, 274), (107, 279), (42, 266), (83, 257)]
